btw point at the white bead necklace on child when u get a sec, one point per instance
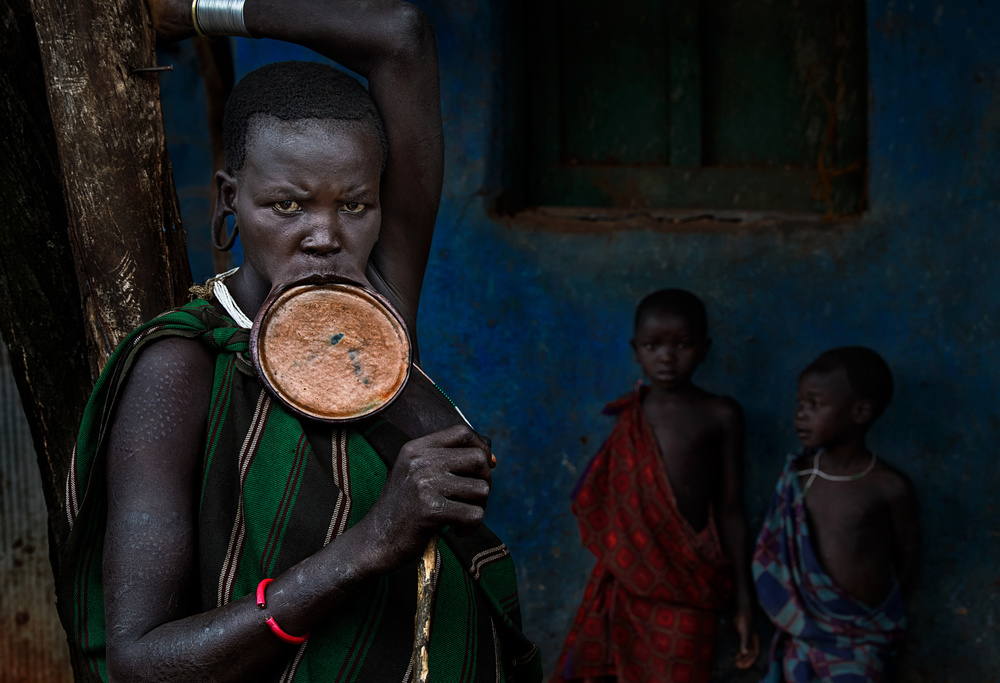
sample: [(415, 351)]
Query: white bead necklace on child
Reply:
[(817, 472)]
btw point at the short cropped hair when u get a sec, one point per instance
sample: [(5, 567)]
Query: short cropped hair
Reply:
[(292, 91), (867, 373), (679, 302)]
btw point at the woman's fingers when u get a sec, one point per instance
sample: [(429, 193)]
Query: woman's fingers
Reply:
[(456, 436), (457, 449), (439, 480), (464, 489)]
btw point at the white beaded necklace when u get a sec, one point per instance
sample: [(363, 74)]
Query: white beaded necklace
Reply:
[(817, 472), (221, 293)]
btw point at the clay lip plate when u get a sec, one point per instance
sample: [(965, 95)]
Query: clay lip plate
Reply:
[(332, 352)]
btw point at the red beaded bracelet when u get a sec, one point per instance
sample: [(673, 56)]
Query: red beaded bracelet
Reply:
[(275, 629)]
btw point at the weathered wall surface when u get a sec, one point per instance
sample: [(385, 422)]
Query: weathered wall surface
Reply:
[(528, 327), (32, 642)]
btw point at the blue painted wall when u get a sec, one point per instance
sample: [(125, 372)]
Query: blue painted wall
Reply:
[(528, 328)]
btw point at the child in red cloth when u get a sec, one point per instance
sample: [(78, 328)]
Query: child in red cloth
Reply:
[(661, 506)]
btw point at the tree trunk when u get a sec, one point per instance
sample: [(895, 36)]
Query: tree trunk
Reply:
[(41, 318), (90, 236), (124, 222)]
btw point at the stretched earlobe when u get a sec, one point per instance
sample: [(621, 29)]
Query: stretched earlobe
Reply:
[(220, 240), (225, 200)]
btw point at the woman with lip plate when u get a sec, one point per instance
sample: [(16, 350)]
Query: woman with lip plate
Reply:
[(217, 536)]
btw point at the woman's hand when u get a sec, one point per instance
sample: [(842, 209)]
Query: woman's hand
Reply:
[(442, 479)]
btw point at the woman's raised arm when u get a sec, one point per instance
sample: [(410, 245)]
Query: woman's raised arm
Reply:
[(392, 45)]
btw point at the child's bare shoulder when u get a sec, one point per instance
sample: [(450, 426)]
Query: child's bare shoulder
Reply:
[(893, 484), (724, 410)]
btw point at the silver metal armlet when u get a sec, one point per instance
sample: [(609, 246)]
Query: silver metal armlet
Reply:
[(220, 17)]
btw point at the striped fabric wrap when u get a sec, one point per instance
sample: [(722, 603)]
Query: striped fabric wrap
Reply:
[(275, 489)]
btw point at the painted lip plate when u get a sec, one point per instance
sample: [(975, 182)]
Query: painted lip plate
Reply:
[(330, 349)]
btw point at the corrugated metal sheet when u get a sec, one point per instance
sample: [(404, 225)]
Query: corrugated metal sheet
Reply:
[(32, 642)]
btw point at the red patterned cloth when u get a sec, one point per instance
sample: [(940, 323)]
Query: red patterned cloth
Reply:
[(649, 609)]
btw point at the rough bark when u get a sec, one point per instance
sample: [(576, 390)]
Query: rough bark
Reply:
[(40, 315), (90, 235), (123, 217)]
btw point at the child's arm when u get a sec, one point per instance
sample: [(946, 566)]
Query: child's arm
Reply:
[(733, 529), (905, 510), (392, 45)]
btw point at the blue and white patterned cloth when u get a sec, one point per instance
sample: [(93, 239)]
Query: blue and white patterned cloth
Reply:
[(822, 633)]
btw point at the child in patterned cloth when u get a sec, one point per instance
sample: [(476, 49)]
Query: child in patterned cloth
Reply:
[(839, 546)]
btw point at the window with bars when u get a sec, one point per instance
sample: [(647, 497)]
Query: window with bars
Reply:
[(745, 105)]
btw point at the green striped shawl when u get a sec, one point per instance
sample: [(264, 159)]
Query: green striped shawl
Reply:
[(275, 489)]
